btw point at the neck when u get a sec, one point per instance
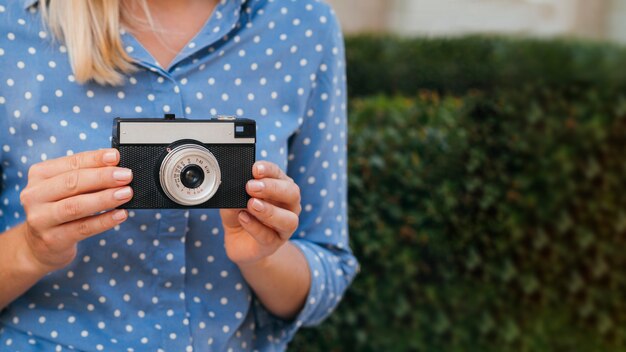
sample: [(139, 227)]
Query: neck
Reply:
[(171, 24)]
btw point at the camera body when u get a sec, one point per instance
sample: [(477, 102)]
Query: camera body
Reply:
[(179, 163)]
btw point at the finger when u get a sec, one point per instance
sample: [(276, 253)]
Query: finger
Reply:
[(85, 160), (262, 234), (283, 221), (266, 169), (76, 182), (230, 218), (79, 230), (85, 205), (276, 190)]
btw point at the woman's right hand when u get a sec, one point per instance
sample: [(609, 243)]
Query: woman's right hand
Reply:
[(68, 200)]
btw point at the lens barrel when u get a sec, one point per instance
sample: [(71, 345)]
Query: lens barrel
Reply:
[(189, 174)]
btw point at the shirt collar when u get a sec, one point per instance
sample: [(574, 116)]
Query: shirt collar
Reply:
[(28, 3), (224, 20), (229, 14)]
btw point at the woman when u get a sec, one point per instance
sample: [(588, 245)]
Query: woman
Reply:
[(169, 280)]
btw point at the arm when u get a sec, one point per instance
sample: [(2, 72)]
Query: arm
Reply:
[(318, 162), (257, 241), (60, 199), (304, 276), (281, 281), (18, 269)]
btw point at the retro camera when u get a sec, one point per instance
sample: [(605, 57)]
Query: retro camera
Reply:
[(181, 163)]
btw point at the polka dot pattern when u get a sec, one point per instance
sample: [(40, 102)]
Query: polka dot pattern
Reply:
[(161, 281)]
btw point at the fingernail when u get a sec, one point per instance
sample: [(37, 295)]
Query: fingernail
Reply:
[(257, 205), (110, 157), (256, 186), (119, 215), (260, 169), (122, 174), (243, 216), (123, 193)]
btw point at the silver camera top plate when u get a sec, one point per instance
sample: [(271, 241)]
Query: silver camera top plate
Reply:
[(165, 132)]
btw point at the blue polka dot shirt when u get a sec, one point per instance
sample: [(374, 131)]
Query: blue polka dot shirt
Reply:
[(161, 281)]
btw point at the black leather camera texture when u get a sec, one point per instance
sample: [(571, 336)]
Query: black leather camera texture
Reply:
[(235, 161)]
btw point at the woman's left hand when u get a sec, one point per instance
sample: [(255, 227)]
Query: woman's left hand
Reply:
[(255, 233)]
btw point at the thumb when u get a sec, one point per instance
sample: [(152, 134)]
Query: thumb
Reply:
[(230, 218)]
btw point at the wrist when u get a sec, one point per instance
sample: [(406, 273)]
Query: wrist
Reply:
[(260, 263), (267, 262), (24, 256), (280, 281)]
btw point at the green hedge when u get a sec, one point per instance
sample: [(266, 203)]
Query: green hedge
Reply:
[(485, 219), (404, 66)]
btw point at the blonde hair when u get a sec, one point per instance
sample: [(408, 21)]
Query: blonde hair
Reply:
[(90, 29)]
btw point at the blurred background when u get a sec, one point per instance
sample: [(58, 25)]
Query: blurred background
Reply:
[(595, 19), (487, 186)]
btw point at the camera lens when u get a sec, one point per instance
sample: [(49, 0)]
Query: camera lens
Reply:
[(192, 176), (189, 174)]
